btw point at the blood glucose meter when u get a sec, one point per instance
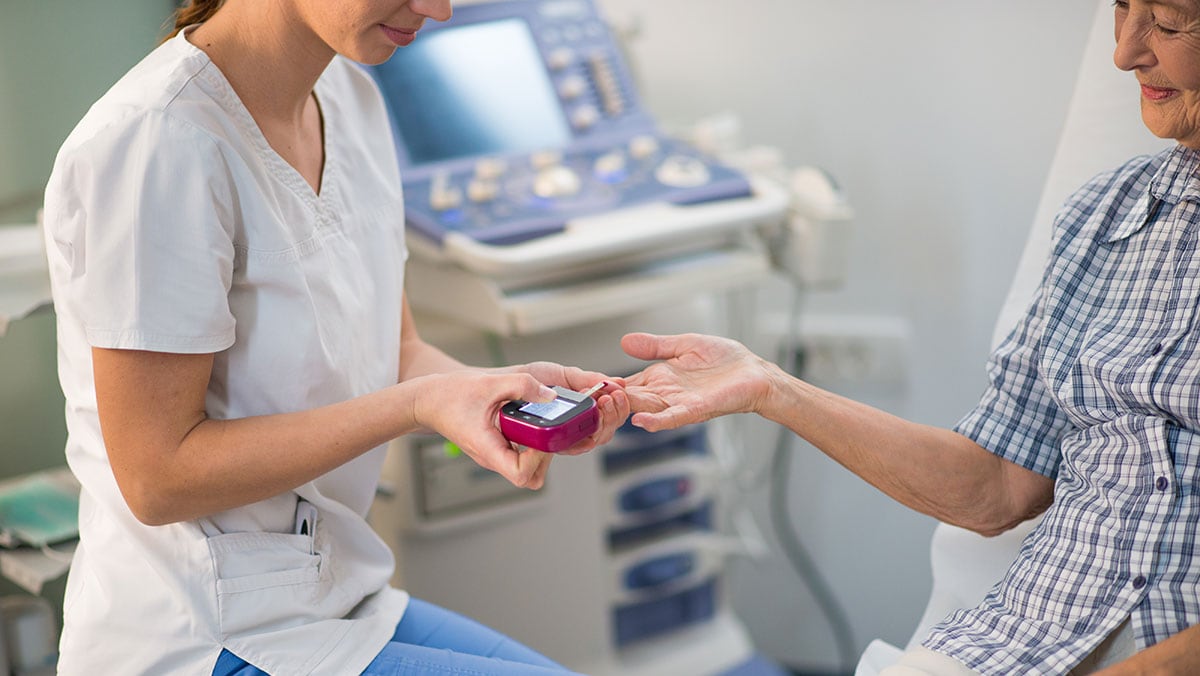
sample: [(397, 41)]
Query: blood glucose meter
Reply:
[(554, 425)]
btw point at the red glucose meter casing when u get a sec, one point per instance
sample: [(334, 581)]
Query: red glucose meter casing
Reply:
[(551, 434)]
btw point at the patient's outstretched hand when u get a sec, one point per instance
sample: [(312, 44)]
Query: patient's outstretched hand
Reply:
[(698, 378)]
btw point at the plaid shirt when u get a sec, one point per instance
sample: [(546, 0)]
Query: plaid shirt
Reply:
[(1098, 386)]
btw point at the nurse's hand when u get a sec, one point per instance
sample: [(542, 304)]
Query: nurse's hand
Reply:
[(611, 400), (699, 378), (463, 406)]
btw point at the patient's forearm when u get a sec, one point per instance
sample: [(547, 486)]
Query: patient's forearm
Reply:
[(932, 470)]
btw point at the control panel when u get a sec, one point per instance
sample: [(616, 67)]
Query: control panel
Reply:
[(516, 116)]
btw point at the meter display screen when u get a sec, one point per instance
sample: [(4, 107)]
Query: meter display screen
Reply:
[(549, 409)]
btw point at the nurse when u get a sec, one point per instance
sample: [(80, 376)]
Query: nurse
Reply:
[(224, 229)]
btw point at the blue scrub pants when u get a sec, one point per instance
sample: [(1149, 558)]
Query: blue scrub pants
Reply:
[(433, 640)]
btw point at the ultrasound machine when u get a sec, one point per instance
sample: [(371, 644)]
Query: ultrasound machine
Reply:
[(547, 213), (531, 167)]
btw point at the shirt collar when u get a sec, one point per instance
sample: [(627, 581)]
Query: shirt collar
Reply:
[(1177, 179)]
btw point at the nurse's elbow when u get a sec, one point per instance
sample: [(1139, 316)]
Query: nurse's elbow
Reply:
[(151, 517), (149, 503), (147, 511)]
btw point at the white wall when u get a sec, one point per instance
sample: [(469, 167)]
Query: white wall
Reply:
[(939, 119), (56, 58)]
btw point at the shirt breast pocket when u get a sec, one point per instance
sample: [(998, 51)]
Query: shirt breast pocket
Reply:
[(264, 581)]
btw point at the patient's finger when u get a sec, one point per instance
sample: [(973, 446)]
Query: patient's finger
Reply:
[(645, 399), (667, 419), (649, 347)]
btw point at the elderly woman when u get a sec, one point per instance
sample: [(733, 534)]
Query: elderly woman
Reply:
[(1091, 415)]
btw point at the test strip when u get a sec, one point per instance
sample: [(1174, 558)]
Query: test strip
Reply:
[(595, 388)]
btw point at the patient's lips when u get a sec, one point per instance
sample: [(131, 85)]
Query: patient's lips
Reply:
[(1157, 93)]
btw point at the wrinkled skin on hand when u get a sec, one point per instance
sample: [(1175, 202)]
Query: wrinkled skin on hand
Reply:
[(698, 378)]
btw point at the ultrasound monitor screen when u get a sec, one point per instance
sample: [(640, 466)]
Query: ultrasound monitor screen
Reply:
[(472, 90)]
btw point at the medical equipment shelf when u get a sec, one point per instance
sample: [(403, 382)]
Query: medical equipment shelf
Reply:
[(665, 553), (700, 518), (481, 302), (674, 173), (635, 447), (659, 229), (553, 567), (24, 280)]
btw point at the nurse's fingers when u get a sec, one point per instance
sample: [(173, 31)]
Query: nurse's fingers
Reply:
[(520, 466), (580, 380), (614, 410), (523, 467), (531, 468)]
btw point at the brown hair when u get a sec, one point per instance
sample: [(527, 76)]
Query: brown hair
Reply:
[(192, 12)]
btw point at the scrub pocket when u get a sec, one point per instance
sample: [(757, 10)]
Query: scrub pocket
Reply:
[(265, 581)]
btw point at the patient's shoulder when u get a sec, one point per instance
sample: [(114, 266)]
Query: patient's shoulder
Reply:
[(1107, 198), (1131, 177)]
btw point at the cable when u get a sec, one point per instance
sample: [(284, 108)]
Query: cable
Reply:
[(785, 530), (803, 563)]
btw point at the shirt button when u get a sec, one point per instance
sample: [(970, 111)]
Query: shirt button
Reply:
[(1162, 483), (1156, 349), (1139, 582)]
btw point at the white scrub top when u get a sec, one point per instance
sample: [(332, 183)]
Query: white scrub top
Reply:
[(172, 226)]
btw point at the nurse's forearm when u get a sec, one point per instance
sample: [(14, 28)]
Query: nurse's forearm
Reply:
[(418, 358), (222, 464), (932, 470), (173, 463)]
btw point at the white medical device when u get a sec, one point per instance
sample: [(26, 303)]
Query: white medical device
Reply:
[(539, 192), (547, 215)]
